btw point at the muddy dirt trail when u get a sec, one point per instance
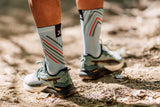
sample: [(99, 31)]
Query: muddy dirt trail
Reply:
[(134, 30)]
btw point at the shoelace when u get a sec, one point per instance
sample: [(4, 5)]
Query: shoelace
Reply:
[(40, 69), (44, 68), (108, 43), (38, 62)]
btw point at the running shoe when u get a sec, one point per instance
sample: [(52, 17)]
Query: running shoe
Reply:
[(95, 67), (41, 81)]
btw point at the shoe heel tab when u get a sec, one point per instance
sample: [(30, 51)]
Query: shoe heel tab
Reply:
[(68, 69)]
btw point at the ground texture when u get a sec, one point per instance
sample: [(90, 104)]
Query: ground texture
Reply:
[(134, 28)]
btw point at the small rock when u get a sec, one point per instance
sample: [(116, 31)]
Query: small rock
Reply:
[(119, 76)]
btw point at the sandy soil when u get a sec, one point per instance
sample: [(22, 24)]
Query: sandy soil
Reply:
[(135, 30)]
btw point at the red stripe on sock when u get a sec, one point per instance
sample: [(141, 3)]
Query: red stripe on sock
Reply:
[(52, 46), (50, 57), (94, 25)]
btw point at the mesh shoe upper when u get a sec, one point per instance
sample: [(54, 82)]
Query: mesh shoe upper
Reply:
[(42, 79), (89, 62), (110, 60)]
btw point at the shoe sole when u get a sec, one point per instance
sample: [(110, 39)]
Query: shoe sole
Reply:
[(33, 89), (87, 78), (49, 90), (114, 67), (107, 67), (52, 91), (100, 73)]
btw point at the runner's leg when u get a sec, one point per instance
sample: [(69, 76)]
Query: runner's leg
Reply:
[(47, 16)]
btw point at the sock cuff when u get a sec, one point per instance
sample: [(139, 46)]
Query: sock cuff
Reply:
[(91, 12), (54, 28)]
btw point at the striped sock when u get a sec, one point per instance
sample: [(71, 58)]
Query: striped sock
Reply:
[(51, 41), (91, 27)]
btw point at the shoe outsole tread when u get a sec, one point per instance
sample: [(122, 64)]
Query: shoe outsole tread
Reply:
[(62, 93)]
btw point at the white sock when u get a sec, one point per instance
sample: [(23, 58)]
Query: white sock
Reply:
[(91, 27), (52, 45)]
